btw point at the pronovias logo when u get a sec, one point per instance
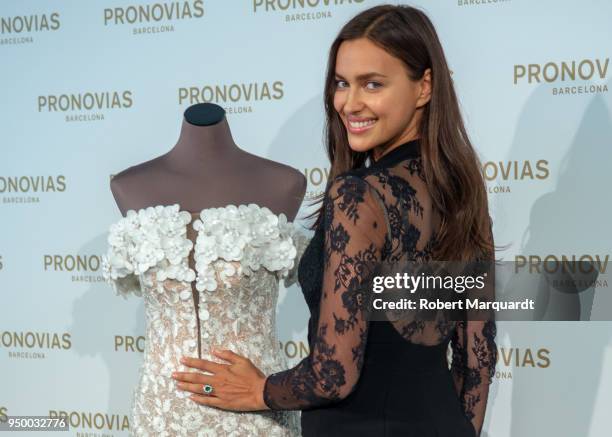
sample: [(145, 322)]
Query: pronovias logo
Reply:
[(581, 263), (301, 10), (294, 349), (27, 187), (579, 266), (504, 173), (86, 106), (97, 420), (32, 184), (515, 358), (29, 23), (82, 267), (148, 18), (565, 75), (129, 343), (236, 98), (316, 178), (36, 343), (18, 29)]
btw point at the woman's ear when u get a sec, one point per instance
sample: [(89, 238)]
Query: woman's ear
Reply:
[(425, 84)]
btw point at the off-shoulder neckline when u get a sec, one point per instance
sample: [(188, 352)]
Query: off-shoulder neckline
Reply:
[(197, 214)]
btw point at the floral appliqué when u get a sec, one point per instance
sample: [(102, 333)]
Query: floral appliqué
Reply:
[(155, 238), (239, 255)]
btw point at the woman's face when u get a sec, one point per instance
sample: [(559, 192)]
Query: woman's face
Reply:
[(378, 103)]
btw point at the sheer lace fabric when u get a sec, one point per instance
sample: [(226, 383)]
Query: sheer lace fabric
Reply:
[(236, 290), (372, 216)]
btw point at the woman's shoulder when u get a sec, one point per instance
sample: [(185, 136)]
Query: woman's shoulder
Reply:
[(389, 188), (353, 189), (356, 181)]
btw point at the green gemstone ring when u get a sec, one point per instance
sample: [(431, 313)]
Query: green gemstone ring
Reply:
[(207, 389)]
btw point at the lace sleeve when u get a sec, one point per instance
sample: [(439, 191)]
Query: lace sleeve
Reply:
[(354, 233), (474, 358)]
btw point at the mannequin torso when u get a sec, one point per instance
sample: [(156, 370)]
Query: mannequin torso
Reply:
[(206, 169)]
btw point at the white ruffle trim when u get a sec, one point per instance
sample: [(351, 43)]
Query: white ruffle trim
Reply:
[(248, 236)]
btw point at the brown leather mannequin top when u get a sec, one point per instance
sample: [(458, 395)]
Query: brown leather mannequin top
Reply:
[(207, 169)]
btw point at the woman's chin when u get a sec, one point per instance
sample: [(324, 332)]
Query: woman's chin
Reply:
[(359, 145)]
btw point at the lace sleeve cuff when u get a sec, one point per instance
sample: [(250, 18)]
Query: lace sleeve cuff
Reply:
[(266, 396)]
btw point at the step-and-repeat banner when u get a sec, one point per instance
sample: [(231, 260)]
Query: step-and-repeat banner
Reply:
[(91, 88)]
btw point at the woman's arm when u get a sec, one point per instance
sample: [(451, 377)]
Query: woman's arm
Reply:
[(354, 229), (475, 356)]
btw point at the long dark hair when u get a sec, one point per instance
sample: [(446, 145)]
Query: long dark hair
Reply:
[(451, 167)]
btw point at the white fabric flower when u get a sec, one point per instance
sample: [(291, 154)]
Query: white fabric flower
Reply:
[(153, 237), (250, 234), (206, 277)]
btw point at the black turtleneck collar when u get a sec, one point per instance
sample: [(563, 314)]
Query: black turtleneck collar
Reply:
[(408, 150)]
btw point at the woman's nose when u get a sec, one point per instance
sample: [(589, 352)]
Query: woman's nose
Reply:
[(353, 102)]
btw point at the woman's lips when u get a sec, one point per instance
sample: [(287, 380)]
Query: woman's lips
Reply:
[(360, 126)]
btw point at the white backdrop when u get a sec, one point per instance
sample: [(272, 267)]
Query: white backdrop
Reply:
[(533, 80)]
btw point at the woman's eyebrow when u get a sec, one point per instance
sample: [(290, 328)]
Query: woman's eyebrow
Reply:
[(364, 75)]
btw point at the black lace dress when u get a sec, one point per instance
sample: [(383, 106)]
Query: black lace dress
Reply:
[(380, 378)]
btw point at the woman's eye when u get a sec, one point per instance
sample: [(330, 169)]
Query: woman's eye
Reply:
[(340, 83), (373, 85)]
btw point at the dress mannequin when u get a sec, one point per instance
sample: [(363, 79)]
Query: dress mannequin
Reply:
[(233, 293), (207, 169)]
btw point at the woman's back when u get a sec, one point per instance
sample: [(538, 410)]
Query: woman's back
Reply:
[(385, 378)]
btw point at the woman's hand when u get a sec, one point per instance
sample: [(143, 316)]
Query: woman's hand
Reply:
[(237, 386)]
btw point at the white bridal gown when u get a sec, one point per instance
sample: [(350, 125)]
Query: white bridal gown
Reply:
[(240, 253)]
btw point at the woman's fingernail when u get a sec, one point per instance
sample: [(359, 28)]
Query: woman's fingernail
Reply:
[(183, 360)]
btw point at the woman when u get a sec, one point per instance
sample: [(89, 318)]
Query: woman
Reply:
[(390, 102)]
